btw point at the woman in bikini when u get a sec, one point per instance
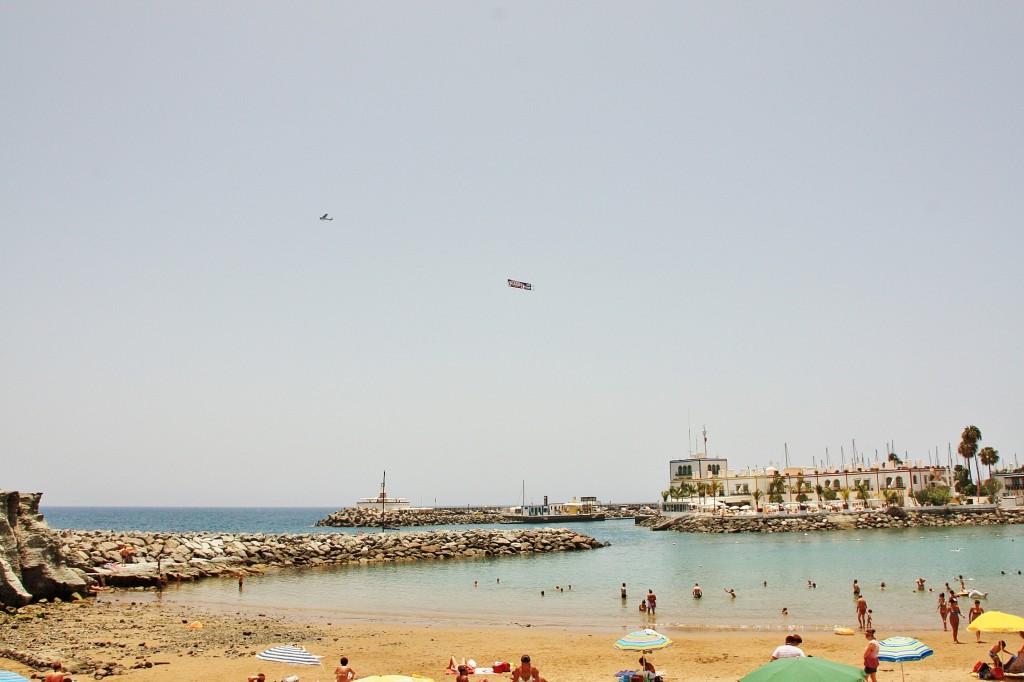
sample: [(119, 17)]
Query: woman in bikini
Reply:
[(943, 610), (954, 618)]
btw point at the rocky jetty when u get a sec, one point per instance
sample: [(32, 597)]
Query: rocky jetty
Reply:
[(895, 517), (157, 557), (32, 566), (359, 517)]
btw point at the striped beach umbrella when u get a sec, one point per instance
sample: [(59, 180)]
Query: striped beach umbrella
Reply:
[(295, 655), (643, 640), (902, 649), (8, 676)]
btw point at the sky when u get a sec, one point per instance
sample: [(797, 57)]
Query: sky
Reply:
[(795, 224)]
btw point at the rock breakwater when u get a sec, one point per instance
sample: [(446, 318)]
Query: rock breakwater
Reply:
[(189, 556), (895, 517), (358, 517)]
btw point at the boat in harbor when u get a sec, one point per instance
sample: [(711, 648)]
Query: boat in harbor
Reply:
[(384, 503), (556, 512)]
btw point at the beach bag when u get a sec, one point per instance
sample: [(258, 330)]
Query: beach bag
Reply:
[(984, 671), (502, 667), (997, 672)]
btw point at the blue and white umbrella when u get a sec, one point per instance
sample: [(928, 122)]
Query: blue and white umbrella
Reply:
[(8, 676), (902, 649), (295, 655)]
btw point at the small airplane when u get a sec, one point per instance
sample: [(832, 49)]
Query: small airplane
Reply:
[(324, 217)]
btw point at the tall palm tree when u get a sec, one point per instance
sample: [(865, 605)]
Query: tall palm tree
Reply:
[(895, 459), (989, 457), (819, 490), (968, 448), (844, 493), (757, 495)]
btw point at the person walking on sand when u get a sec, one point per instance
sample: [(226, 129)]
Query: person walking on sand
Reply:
[(871, 656), (862, 612), (344, 673), (943, 610), (975, 611), (526, 672), (652, 602), (954, 618)]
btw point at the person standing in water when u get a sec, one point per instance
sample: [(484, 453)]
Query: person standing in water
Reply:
[(622, 592), (943, 610)]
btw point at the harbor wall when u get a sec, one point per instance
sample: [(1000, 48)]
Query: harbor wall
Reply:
[(894, 517)]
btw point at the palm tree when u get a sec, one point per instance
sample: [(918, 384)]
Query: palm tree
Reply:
[(757, 495), (968, 448), (844, 493), (798, 488), (819, 490), (863, 493), (775, 488), (989, 457), (895, 459)]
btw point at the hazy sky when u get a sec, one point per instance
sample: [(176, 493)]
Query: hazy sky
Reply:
[(796, 223)]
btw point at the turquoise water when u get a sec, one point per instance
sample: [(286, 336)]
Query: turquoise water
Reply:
[(667, 562)]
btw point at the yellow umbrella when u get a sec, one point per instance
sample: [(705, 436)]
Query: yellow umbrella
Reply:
[(997, 621)]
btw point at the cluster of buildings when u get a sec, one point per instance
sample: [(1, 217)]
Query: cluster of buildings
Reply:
[(700, 482)]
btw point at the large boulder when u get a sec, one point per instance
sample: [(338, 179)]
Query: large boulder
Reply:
[(31, 564)]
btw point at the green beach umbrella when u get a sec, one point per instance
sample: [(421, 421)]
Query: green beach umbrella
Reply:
[(804, 669)]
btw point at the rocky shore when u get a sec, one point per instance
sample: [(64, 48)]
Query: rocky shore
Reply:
[(894, 517), (189, 556)]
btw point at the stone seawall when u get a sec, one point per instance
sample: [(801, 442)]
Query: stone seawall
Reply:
[(358, 517), (188, 556), (363, 517), (890, 518)]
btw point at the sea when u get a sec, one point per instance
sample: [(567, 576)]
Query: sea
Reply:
[(808, 574)]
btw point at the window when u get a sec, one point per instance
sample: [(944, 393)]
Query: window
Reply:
[(899, 482)]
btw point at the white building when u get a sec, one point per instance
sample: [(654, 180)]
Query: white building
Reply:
[(809, 485)]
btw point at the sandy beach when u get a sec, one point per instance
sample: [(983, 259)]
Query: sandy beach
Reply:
[(125, 634)]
